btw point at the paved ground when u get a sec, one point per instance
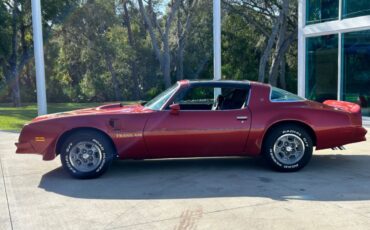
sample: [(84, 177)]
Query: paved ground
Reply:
[(333, 192)]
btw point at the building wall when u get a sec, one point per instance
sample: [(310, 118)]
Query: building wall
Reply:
[(334, 51)]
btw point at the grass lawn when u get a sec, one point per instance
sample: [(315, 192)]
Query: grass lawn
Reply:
[(14, 118)]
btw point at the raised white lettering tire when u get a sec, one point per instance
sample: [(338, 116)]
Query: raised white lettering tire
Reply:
[(86, 154), (288, 148)]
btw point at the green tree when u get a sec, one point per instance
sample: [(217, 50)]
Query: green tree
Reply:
[(16, 37), (275, 22)]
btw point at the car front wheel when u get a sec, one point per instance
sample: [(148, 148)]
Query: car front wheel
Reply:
[(288, 148), (86, 154)]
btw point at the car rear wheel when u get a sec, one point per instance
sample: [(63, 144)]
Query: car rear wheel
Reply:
[(86, 154), (288, 148)]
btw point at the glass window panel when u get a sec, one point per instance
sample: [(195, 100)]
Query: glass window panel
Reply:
[(279, 95), (157, 102), (322, 67), (201, 97), (355, 8), (321, 11), (356, 69), (198, 95)]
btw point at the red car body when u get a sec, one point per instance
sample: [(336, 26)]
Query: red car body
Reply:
[(138, 132)]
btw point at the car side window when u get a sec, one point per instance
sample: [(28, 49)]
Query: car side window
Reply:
[(198, 95), (212, 98)]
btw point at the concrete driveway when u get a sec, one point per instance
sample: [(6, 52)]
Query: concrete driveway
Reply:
[(332, 192)]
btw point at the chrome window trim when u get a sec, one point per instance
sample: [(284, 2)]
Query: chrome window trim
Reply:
[(208, 110)]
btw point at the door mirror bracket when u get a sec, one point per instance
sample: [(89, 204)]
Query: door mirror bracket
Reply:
[(175, 109)]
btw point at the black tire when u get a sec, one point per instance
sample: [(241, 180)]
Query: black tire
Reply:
[(102, 153), (281, 136)]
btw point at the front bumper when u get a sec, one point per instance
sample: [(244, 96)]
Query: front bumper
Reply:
[(37, 140), (46, 149), (24, 148)]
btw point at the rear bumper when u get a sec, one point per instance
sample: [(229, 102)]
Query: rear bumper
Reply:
[(359, 134), (340, 136)]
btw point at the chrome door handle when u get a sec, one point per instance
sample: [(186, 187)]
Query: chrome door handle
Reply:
[(241, 118)]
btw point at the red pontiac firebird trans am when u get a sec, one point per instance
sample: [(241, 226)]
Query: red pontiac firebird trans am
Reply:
[(196, 119)]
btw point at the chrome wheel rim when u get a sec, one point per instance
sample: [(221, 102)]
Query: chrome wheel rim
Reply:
[(85, 156), (289, 149)]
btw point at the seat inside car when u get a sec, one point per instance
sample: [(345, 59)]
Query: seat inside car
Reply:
[(235, 100)]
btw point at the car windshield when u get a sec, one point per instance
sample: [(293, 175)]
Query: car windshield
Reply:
[(157, 102), (279, 95)]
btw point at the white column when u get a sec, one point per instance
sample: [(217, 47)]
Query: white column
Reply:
[(39, 57), (339, 90), (301, 48), (217, 43), (217, 39), (340, 52)]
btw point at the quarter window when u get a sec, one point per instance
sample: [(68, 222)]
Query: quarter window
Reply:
[(279, 95)]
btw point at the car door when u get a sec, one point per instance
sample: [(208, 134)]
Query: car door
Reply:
[(193, 133)]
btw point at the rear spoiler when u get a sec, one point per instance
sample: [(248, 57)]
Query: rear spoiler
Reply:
[(344, 106), (353, 109)]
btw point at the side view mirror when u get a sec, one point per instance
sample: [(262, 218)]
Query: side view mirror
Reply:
[(175, 109)]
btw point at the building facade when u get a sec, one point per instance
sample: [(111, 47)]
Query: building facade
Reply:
[(334, 51)]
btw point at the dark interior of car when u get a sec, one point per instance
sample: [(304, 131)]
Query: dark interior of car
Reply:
[(235, 100)]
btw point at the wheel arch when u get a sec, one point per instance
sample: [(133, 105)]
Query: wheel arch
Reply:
[(69, 132), (308, 128)]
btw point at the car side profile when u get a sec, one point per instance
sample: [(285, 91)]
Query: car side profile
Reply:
[(196, 119)]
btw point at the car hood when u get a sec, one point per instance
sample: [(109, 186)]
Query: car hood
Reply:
[(116, 108)]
